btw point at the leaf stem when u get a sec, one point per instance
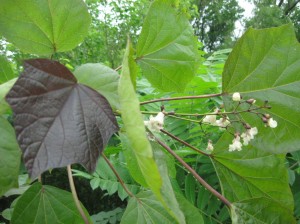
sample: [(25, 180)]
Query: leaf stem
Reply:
[(117, 175), (75, 197), (193, 172), (182, 98), (185, 143)]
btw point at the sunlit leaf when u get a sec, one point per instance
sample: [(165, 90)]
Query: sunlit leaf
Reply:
[(46, 204), (4, 89), (58, 122), (44, 26), (265, 65), (101, 78), (10, 157), (166, 50)]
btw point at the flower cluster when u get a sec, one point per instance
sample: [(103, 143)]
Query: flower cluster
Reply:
[(155, 123), (223, 122)]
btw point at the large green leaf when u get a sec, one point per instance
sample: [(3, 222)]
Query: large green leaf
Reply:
[(145, 208), (260, 211), (135, 129), (10, 156), (6, 71), (265, 65), (44, 26), (252, 173), (4, 89), (167, 50), (45, 204), (101, 78)]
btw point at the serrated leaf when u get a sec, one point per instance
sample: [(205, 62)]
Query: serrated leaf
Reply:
[(10, 155), (264, 65), (4, 88), (145, 208), (44, 26), (252, 173), (58, 121), (260, 211), (6, 72), (45, 204), (101, 78), (167, 51)]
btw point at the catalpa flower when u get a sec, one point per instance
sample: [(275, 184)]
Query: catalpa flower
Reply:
[(249, 135), (223, 122), (155, 123), (272, 123), (236, 97), (210, 146), (236, 144), (211, 119)]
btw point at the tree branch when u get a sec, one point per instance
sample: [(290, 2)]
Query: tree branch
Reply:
[(193, 172), (182, 98), (290, 8), (185, 143), (117, 175)]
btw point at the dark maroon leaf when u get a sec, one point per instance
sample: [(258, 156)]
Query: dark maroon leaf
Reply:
[(58, 121)]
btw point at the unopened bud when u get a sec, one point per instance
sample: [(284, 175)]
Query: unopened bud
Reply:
[(267, 116), (162, 108), (171, 113), (251, 101), (247, 126), (265, 120)]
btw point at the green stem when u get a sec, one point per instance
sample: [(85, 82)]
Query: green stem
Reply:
[(75, 197), (182, 98), (195, 174)]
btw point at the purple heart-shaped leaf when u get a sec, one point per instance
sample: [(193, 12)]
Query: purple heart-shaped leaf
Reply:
[(58, 121)]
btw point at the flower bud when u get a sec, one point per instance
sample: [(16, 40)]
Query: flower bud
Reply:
[(251, 101), (265, 120), (236, 97), (267, 116)]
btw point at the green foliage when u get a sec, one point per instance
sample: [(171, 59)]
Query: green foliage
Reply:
[(45, 204), (10, 154), (110, 217), (101, 78), (4, 89), (44, 27), (6, 71), (168, 61), (264, 66)]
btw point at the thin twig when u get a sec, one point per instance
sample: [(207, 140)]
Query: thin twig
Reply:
[(185, 143), (75, 197), (182, 98), (118, 68), (40, 178), (117, 175), (193, 172)]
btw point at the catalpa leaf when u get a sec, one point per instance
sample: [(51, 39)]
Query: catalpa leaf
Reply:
[(46, 204), (167, 49), (265, 65), (260, 211), (6, 71), (44, 26), (58, 121)]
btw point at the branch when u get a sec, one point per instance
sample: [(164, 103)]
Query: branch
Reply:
[(193, 172), (185, 143), (280, 3), (289, 9), (73, 189), (117, 175), (182, 98)]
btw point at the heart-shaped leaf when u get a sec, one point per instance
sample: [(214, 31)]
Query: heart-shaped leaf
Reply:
[(101, 78), (167, 50), (58, 122), (10, 154), (46, 204), (44, 26), (265, 65)]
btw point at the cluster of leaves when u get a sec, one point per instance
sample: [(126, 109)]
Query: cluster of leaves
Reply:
[(61, 118)]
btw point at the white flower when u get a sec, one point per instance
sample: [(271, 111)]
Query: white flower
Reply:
[(210, 146), (223, 122), (155, 123), (272, 123), (236, 144), (249, 135), (210, 119), (236, 97)]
